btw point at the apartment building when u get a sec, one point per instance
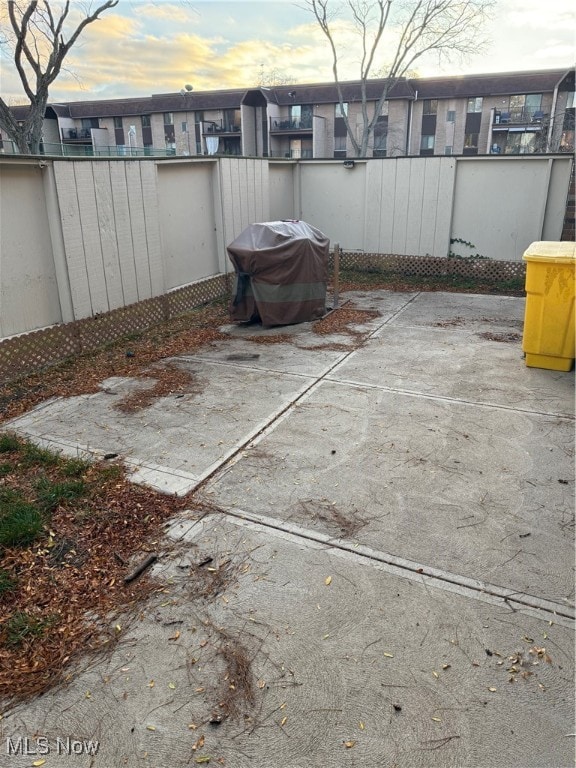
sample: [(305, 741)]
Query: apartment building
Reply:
[(506, 113)]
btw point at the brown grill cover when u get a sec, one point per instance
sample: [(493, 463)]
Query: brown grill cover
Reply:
[(281, 273)]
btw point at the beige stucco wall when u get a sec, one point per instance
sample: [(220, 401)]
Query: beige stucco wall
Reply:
[(186, 209), (502, 207), (28, 287), (100, 234), (281, 190)]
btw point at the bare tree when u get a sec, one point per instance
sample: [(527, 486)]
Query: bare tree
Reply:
[(36, 31), (418, 27), (270, 78)]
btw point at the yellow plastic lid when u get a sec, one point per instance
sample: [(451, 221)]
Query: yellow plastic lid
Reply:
[(551, 251)]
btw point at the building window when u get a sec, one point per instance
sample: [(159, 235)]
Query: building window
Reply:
[(145, 121), (451, 116), (430, 106), (474, 105), (448, 150), (232, 120), (471, 141), (339, 146), (295, 148), (341, 110), (184, 127), (520, 143), (301, 116), (380, 143), (90, 122), (427, 143), (168, 118), (523, 106), (117, 122)]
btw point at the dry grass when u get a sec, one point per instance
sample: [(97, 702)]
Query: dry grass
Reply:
[(347, 524)]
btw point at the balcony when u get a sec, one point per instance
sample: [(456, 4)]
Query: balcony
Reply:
[(296, 125), (210, 127), (80, 135), (520, 116)]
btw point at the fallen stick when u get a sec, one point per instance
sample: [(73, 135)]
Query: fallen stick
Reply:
[(140, 569)]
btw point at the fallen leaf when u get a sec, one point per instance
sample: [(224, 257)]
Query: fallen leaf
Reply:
[(151, 684), (38, 762), (205, 759), (328, 581), (283, 721), (389, 655), (175, 636), (362, 726), (198, 744), (172, 685), (437, 719), (150, 727), (435, 673), (261, 683), (349, 744), (446, 666), (492, 690)]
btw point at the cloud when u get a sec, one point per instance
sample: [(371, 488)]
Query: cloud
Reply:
[(554, 15), (171, 12), (153, 47)]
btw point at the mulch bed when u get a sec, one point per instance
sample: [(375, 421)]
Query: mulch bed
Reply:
[(69, 583), (82, 375)]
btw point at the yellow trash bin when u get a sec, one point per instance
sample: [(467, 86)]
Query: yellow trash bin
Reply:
[(548, 339)]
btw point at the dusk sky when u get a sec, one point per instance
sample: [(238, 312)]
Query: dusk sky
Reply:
[(143, 47)]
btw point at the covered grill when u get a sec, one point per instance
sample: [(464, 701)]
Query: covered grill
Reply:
[(281, 273)]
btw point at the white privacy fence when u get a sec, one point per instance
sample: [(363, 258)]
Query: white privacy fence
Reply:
[(79, 238)]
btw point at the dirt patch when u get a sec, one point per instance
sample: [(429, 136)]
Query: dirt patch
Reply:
[(168, 380), (507, 338)]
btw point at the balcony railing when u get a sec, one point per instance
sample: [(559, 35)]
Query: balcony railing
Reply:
[(520, 116), (296, 124), (218, 126), (87, 150), (76, 134)]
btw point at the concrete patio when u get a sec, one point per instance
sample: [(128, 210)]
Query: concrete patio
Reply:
[(395, 520)]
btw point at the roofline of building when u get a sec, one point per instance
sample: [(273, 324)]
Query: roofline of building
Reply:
[(412, 84)]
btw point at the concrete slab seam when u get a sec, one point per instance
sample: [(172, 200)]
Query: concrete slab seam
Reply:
[(414, 571), (445, 398)]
